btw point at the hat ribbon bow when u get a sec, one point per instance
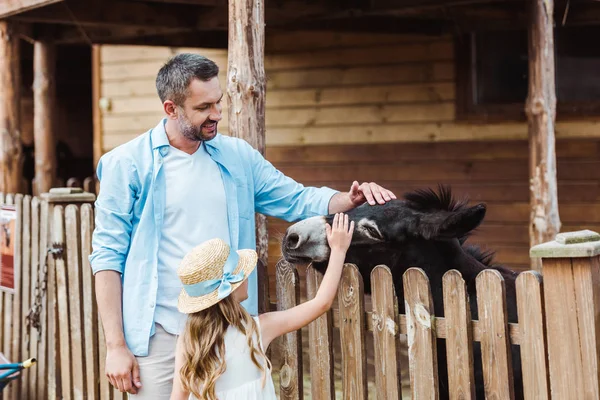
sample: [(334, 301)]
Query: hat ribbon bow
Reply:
[(223, 284)]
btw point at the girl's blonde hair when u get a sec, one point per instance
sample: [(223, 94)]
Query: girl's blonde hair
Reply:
[(204, 346)]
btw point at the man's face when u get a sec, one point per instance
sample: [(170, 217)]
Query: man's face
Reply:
[(201, 111)]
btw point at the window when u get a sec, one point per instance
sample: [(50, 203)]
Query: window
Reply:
[(492, 73)]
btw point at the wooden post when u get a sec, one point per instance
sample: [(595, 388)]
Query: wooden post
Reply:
[(246, 89), (44, 115), (572, 300), (11, 173), (544, 221)]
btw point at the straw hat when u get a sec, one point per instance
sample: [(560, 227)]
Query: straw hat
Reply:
[(210, 272)]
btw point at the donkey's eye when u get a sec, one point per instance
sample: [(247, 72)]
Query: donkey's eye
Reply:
[(372, 231)]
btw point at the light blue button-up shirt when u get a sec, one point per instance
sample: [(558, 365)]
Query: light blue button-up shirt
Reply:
[(130, 208)]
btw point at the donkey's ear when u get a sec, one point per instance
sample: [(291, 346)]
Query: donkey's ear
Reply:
[(460, 223)]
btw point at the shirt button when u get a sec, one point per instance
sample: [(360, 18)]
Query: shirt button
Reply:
[(151, 305)]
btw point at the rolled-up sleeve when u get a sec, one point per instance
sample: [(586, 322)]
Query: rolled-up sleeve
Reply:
[(114, 213), (280, 196)]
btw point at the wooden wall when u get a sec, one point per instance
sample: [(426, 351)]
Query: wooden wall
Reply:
[(377, 108)]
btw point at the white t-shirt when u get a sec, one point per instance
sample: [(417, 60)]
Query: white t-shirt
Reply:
[(195, 211)]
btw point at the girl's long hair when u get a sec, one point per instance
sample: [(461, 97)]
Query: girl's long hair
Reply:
[(204, 346)]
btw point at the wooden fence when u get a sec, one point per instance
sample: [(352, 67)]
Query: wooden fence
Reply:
[(559, 349), (569, 334), (52, 245)]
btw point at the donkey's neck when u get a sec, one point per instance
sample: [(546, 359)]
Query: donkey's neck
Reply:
[(460, 260)]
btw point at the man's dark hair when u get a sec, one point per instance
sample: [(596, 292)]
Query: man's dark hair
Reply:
[(175, 76)]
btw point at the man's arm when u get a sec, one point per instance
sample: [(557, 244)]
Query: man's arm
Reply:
[(121, 366), (280, 196), (110, 242)]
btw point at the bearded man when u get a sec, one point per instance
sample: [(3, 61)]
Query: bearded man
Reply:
[(161, 194)]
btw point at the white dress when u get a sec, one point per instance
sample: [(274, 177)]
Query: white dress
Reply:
[(242, 380)]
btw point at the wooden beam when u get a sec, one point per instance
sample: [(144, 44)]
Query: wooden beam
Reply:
[(13, 7), (11, 172), (205, 39), (544, 221), (117, 13), (246, 90), (44, 118)]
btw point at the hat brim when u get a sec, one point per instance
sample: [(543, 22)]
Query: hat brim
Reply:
[(188, 304)]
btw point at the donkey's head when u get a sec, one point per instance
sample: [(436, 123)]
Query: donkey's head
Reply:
[(422, 215)]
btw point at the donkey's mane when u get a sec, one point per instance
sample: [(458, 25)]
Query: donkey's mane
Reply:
[(485, 257), (427, 200)]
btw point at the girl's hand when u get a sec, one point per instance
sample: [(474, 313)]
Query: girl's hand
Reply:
[(339, 233)]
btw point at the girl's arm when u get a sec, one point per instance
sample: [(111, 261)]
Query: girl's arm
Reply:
[(275, 324), (177, 392)]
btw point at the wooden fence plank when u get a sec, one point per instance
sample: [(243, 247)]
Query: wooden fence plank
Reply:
[(8, 312), (530, 304), (89, 184), (352, 322), (8, 318), (105, 387), (320, 334), (62, 301), (25, 297), (459, 337), (73, 241), (16, 303), (288, 296), (90, 312), (586, 277), (386, 331), (44, 384), (495, 344), (422, 347), (35, 271)]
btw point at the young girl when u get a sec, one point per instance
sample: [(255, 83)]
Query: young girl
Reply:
[(221, 353)]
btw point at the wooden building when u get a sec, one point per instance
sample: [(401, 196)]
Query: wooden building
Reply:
[(407, 94)]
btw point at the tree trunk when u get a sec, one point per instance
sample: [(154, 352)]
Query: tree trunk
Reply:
[(11, 159), (43, 122), (544, 221), (246, 89)]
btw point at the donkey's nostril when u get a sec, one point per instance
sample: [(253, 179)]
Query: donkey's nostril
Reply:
[(293, 241)]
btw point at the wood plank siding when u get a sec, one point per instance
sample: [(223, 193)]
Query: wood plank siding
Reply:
[(377, 108)]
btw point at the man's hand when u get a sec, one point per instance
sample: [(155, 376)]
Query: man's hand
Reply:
[(122, 369), (370, 192)]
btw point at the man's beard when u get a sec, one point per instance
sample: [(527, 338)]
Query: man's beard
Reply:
[(191, 132)]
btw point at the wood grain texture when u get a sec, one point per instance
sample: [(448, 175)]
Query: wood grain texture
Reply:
[(562, 325), (62, 331), (544, 221), (11, 173), (90, 310), (25, 296), (495, 343), (352, 334), (320, 333), (459, 337), (44, 118), (34, 344), (75, 303), (288, 296), (46, 364), (422, 347), (586, 275), (530, 304), (385, 334)]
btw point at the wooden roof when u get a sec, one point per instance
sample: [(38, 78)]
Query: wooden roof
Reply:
[(203, 23)]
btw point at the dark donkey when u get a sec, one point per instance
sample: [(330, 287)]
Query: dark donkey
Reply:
[(426, 230)]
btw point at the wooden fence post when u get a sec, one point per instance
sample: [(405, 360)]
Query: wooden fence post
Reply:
[(54, 234), (288, 296), (571, 272)]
